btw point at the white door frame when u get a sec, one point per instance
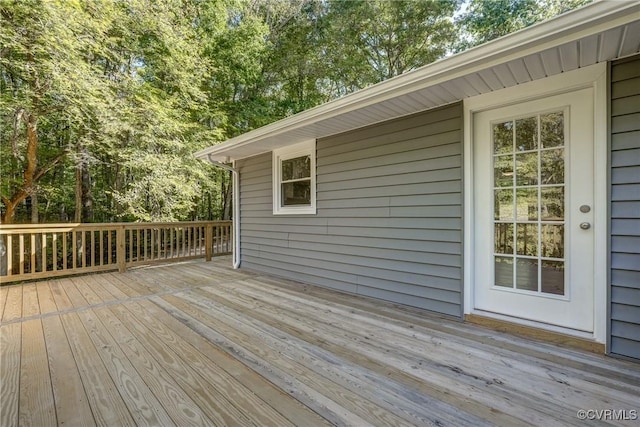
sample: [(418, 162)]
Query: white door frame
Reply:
[(594, 76)]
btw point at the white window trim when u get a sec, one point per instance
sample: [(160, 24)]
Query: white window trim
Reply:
[(290, 152)]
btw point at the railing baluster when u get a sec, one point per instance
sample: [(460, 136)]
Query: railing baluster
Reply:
[(153, 236), (21, 248), (120, 249), (54, 244), (108, 250), (9, 255), (165, 239), (32, 253), (83, 249), (208, 242), (44, 253), (138, 244), (64, 250), (196, 245), (131, 248), (74, 251), (101, 248), (175, 248), (93, 248), (170, 242), (187, 231), (184, 251)]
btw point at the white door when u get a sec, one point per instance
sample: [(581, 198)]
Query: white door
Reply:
[(533, 209)]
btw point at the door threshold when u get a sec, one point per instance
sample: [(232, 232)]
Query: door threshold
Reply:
[(511, 326)]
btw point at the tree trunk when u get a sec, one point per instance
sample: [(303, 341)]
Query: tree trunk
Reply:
[(34, 208), (227, 194), (9, 212), (29, 175), (87, 197), (77, 217)]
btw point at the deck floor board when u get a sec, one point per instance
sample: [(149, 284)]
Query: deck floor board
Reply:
[(198, 343), (72, 406), (37, 404), (46, 301), (13, 306), (10, 352), (4, 290)]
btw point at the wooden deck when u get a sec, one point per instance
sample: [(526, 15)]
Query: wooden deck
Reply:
[(201, 344)]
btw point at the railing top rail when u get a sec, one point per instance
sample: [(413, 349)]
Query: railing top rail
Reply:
[(102, 226)]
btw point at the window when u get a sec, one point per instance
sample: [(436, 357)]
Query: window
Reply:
[(529, 203), (294, 179)]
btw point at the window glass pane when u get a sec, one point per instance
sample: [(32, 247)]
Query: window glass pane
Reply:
[(527, 204), (296, 168), (552, 207), (503, 171), (552, 241), (527, 239), (553, 277), (503, 238), (527, 134), (527, 169), (503, 137), (527, 274), (552, 129), (296, 193), (552, 166), (503, 271), (503, 205)]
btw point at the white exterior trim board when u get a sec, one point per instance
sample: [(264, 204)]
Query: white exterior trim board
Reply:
[(593, 76)]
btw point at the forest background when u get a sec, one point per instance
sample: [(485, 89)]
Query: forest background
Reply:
[(104, 102)]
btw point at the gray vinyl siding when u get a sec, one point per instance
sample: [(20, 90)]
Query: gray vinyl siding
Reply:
[(625, 208), (389, 219)]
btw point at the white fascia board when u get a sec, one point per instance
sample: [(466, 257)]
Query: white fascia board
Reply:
[(572, 26)]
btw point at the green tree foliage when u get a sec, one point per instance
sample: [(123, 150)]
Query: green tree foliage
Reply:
[(109, 94), (485, 20), (373, 40), (103, 102), (48, 87)]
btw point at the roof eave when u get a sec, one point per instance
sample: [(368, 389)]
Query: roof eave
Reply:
[(587, 20)]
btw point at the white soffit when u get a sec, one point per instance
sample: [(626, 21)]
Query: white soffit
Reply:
[(598, 32)]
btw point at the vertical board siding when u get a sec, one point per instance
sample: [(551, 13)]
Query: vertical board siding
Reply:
[(625, 208), (389, 219)]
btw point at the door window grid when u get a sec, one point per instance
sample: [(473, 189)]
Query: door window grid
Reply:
[(528, 158)]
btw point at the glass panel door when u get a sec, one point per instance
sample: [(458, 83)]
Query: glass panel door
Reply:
[(533, 186), (529, 201)]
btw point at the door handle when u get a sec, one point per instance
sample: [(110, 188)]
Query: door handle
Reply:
[(585, 225)]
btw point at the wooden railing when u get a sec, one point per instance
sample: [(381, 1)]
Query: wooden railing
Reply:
[(48, 250)]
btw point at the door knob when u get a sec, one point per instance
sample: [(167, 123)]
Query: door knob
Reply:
[(585, 225)]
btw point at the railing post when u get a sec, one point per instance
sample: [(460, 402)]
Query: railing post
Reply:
[(121, 249), (208, 241)]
